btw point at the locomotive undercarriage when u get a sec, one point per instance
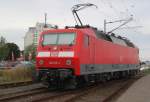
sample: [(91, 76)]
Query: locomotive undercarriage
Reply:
[(65, 79), (59, 78)]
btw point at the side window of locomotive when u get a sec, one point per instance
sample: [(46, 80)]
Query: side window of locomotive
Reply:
[(86, 40)]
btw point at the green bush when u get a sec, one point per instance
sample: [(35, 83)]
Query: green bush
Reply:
[(147, 71)]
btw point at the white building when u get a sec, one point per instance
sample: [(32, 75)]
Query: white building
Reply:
[(32, 35)]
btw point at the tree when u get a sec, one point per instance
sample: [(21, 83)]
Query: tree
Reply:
[(30, 51), (3, 49), (13, 50), (7, 50), (3, 52), (2, 40)]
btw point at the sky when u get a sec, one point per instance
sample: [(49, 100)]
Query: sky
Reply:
[(16, 16)]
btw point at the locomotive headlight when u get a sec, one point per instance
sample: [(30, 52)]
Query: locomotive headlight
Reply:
[(41, 62), (68, 62)]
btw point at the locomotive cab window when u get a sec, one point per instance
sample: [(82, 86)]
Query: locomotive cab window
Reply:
[(59, 39), (86, 40)]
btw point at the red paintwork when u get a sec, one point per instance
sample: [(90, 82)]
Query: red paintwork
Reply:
[(99, 52)]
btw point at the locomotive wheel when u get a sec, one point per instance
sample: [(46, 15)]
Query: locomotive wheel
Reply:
[(72, 83), (75, 82)]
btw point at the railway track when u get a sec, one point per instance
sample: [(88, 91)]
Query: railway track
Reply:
[(20, 91), (116, 92), (15, 84), (76, 95), (65, 96), (44, 95), (122, 86), (14, 96), (38, 95), (122, 89)]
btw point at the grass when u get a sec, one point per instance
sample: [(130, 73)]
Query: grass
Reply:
[(146, 69), (16, 74)]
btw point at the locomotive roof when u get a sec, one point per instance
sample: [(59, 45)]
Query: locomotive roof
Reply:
[(108, 37), (100, 34), (113, 38)]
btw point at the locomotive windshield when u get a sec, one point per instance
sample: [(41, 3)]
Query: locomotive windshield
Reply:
[(59, 39)]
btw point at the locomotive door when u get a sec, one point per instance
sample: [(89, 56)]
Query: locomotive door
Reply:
[(92, 53)]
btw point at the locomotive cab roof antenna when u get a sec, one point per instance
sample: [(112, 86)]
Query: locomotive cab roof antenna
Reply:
[(79, 7)]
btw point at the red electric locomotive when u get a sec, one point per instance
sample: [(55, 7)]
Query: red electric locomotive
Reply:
[(80, 54)]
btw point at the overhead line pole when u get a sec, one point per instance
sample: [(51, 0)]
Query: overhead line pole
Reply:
[(105, 26), (45, 25)]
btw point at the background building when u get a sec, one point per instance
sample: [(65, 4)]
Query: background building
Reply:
[(29, 37), (32, 35)]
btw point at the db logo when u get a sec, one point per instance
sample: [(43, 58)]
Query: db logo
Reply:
[(55, 48), (54, 54)]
